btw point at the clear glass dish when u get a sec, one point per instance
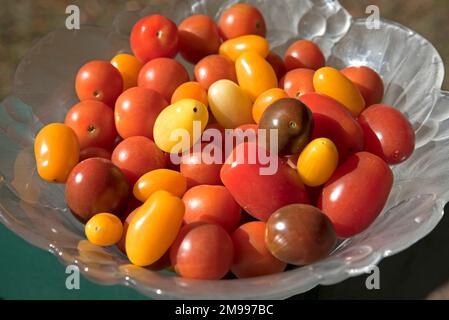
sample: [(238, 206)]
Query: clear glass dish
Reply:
[(43, 92)]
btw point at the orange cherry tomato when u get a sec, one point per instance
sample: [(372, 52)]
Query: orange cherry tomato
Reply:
[(190, 90), (163, 75), (99, 80), (160, 179), (304, 54), (213, 68), (233, 48), (198, 37), (104, 229), (264, 100), (129, 67), (251, 255), (56, 150), (298, 82), (241, 19), (277, 64), (136, 111), (368, 82)]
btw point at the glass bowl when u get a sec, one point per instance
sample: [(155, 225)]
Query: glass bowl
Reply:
[(44, 90)]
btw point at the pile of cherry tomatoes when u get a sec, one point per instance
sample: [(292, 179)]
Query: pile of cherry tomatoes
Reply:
[(333, 149)]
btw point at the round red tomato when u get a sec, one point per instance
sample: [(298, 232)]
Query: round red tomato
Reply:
[(368, 82), (277, 63), (213, 68), (304, 54), (99, 80), (154, 37), (93, 123), (211, 204), (387, 132), (241, 19), (163, 75), (136, 111), (95, 152), (298, 82), (202, 251), (198, 37), (136, 156)]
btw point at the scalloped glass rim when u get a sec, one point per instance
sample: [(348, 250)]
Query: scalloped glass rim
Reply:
[(43, 91)]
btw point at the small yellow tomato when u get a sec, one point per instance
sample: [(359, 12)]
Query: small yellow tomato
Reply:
[(254, 74), (333, 83), (160, 179), (180, 125), (190, 90), (56, 150), (233, 48), (317, 162), (104, 229), (265, 99), (154, 228), (129, 67), (229, 104)]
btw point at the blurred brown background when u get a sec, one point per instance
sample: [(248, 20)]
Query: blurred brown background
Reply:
[(24, 21)]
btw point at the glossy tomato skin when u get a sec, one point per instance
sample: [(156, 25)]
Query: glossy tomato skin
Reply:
[(136, 156), (96, 185), (233, 48), (163, 75), (356, 193), (213, 204), (387, 132), (198, 37), (213, 68), (104, 229), (241, 19), (95, 153), (266, 99), (99, 80), (277, 63), (261, 192), (304, 54), (190, 90), (298, 82), (251, 255), (333, 121), (136, 111), (202, 251), (93, 123), (154, 37), (368, 82), (129, 67)]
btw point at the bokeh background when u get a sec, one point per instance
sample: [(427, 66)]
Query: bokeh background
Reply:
[(419, 272)]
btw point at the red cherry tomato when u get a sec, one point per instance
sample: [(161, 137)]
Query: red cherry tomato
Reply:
[(388, 134), (298, 82), (136, 111), (93, 123), (261, 189), (356, 193), (241, 19), (213, 204), (277, 63), (163, 75), (304, 54), (136, 156), (213, 68), (202, 251), (154, 37), (251, 255), (198, 37), (333, 121), (368, 82), (95, 153), (99, 80)]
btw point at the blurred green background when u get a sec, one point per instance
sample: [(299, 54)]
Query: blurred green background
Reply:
[(29, 273)]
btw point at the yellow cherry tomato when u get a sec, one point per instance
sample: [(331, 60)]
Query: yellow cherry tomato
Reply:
[(229, 104), (129, 67), (265, 99), (333, 83), (180, 125), (104, 229), (317, 162), (254, 74), (190, 90), (154, 228), (233, 48), (160, 179), (56, 150)]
